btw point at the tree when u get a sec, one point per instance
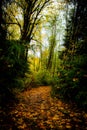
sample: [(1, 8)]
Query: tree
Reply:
[(52, 43), (13, 65), (30, 15), (73, 74)]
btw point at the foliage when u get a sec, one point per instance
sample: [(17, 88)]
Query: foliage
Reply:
[(72, 80), (24, 17), (42, 77), (71, 84), (12, 69)]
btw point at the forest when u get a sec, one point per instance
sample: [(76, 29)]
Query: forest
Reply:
[(43, 64)]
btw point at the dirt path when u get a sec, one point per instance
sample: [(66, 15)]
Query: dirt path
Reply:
[(38, 111)]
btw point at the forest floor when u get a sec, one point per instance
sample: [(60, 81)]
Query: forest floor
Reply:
[(37, 110)]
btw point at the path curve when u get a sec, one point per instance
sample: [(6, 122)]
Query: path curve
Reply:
[(38, 111)]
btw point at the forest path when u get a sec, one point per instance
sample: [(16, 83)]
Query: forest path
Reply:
[(37, 110)]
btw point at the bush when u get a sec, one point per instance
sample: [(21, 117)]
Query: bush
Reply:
[(71, 85), (41, 77)]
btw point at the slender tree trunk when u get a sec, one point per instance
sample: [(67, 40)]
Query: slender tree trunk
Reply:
[(52, 45)]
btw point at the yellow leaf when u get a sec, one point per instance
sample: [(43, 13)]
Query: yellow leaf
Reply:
[(22, 126), (68, 126), (55, 117)]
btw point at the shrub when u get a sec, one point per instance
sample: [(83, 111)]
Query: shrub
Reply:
[(41, 77)]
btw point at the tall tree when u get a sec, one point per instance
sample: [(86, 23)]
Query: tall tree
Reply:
[(12, 61), (30, 15), (74, 57), (52, 41)]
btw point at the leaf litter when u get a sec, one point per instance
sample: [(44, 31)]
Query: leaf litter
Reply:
[(37, 110)]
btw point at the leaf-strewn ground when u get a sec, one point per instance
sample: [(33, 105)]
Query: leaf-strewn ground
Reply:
[(37, 110)]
